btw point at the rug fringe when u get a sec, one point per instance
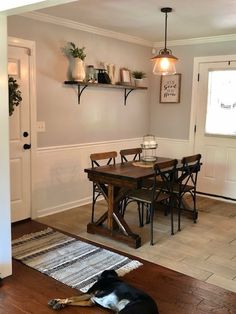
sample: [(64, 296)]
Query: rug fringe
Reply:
[(121, 272), (128, 267), (32, 235)]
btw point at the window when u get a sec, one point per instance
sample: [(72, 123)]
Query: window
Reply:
[(221, 103)]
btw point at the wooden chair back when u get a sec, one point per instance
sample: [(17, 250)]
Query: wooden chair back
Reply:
[(165, 172), (191, 165), (109, 157), (135, 152)]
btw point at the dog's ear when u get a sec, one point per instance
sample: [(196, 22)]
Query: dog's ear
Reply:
[(109, 274)]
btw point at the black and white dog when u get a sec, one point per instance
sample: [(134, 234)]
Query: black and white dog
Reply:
[(112, 293)]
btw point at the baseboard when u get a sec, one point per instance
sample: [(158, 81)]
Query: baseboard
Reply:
[(217, 197), (63, 207)]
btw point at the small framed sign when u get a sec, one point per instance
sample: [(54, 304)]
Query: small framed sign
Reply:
[(170, 88), (125, 76)]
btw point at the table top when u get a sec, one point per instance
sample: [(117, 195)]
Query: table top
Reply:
[(125, 170)]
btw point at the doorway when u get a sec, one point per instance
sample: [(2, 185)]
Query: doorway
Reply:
[(20, 129), (215, 127)]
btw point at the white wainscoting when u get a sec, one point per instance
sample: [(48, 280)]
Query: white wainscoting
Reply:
[(60, 182), (174, 148)]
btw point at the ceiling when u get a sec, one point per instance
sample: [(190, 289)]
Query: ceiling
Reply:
[(143, 19)]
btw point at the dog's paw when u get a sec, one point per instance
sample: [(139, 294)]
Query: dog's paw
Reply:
[(55, 304)]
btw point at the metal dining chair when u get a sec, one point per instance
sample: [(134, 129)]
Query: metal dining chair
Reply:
[(186, 183), (130, 154), (149, 198), (97, 160)]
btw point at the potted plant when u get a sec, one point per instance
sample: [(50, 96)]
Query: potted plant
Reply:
[(76, 52), (138, 77), (14, 94), (77, 56)]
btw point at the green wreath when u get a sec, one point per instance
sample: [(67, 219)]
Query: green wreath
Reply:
[(14, 94)]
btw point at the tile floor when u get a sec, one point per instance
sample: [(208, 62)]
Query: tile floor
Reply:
[(206, 250)]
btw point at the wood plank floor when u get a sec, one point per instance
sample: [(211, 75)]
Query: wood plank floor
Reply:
[(205, 251), (27, 291)]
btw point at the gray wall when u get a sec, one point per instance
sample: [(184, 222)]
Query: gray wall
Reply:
[(172, 120), (101, 114)]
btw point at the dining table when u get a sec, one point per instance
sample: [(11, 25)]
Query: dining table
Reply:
[(115, 181)]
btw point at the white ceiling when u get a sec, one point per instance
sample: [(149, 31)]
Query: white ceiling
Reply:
[(143, 19)]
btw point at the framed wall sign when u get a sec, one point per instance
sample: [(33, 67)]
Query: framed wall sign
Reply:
[(125, 76), (170, 88)]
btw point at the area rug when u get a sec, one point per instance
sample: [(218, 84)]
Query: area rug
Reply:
[(68, 260)]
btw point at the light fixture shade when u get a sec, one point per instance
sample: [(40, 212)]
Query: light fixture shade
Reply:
[(164, 63)]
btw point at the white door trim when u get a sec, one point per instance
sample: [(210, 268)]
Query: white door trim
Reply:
[(196, 63), (194, 100), (22, 43)]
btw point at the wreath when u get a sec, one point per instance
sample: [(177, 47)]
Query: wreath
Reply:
[(14, 94)]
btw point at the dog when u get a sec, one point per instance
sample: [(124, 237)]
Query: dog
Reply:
[(110, 292)]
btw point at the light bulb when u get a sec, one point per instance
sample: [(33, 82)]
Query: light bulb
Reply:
[(164, 64)]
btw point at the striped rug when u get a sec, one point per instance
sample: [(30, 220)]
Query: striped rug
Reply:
[(68, 260)]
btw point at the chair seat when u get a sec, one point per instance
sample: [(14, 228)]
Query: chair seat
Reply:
[(176, 187), (182, 187), (144, 195)]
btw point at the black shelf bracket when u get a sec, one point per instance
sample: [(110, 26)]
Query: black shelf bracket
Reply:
[(126, 94), (80, 92), (82, 85)]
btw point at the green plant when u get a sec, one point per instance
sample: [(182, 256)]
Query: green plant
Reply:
[(14, 94), (75, 52), (138, 74)]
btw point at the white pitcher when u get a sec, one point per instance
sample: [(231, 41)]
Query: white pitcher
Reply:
[(78, 71)]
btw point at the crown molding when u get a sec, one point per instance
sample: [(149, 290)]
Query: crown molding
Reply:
[(8, 8), (199, 40), (124, 37), (86, 28)]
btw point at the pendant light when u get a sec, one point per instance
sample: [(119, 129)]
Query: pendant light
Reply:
[(164, 61)]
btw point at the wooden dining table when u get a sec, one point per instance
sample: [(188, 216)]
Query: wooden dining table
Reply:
[(115, 181)]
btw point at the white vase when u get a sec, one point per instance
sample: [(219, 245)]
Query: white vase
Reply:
[(78, 71), (111, 69), (138, 82)]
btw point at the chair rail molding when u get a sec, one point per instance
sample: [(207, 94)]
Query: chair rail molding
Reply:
[(60, 182)]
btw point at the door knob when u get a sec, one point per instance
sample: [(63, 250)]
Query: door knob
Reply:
[(25, 134), (27, 146)]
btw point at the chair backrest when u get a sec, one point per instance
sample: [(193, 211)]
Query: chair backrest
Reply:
[(134, 152), (191, 165), (108, 157), (165, 172)]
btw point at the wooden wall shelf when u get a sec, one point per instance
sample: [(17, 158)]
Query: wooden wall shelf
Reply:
[(82, 85)]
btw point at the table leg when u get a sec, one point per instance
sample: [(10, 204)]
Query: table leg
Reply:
[(111, 207), (116, 227)]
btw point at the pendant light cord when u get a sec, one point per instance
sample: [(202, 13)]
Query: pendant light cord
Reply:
[(165, 29)]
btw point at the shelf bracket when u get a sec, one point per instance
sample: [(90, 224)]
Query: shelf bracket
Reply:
[(82, 85), (80, 92), (127, 92)]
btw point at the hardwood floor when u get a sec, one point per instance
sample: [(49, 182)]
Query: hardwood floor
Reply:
[(28, 291), (205, 251)]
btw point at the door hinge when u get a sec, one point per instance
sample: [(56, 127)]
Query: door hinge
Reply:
[(29, 52), (229, 62), (198, 77), (195, 128)]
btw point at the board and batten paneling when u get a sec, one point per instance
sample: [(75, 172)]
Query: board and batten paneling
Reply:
[(60, 182)]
